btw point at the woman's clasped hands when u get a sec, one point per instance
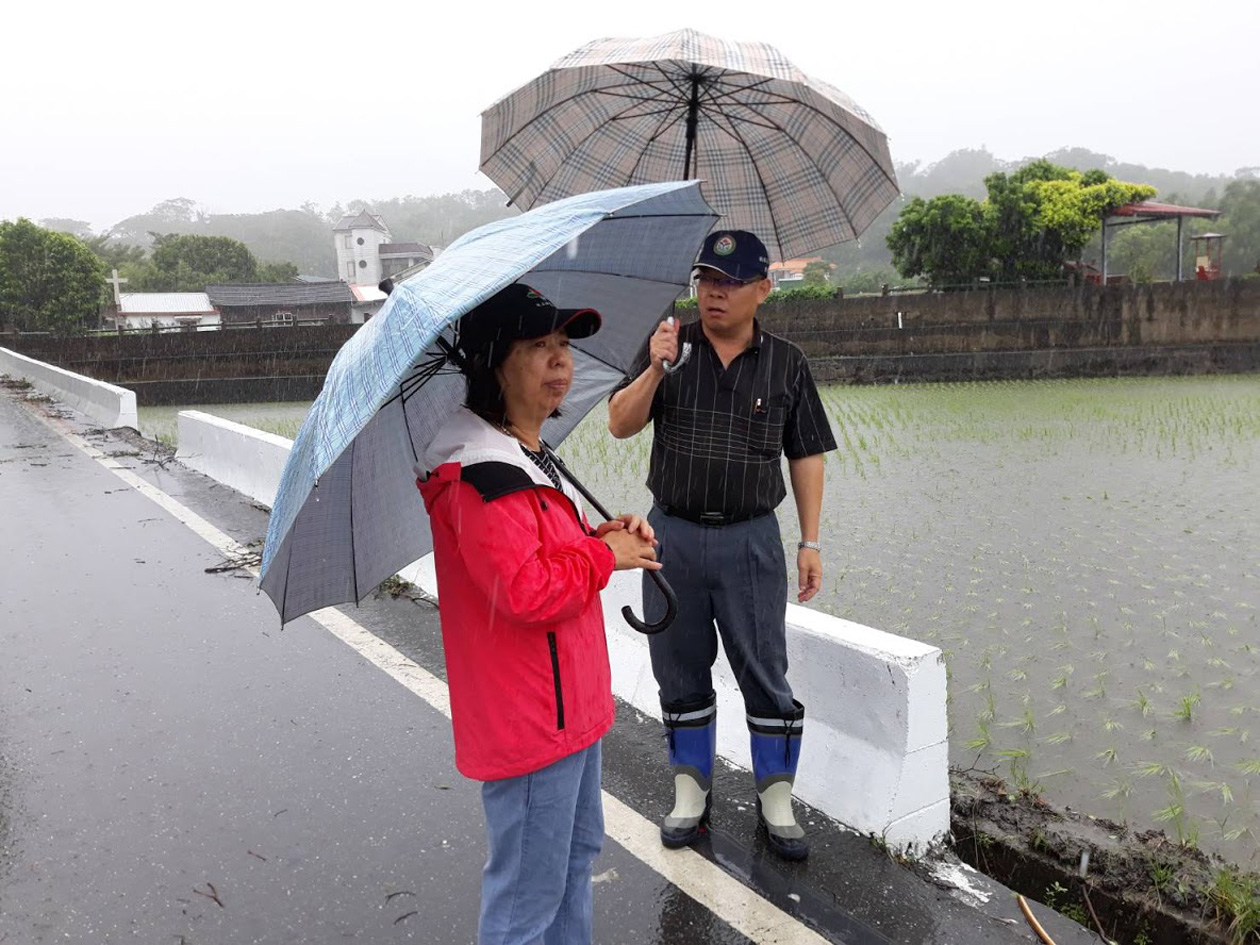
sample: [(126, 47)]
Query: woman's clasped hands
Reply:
[(632, 541)]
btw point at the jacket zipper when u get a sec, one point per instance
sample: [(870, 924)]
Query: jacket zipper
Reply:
[(555, 676)]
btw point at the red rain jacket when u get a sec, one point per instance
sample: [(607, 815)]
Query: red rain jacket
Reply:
[(519, 575)]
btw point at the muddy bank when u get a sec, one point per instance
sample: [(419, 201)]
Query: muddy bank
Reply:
[(1140, 888)]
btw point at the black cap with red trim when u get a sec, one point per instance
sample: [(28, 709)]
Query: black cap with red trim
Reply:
[(519, 311)]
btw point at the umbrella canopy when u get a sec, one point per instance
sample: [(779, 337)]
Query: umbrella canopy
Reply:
[(784, 155), (347, 515)]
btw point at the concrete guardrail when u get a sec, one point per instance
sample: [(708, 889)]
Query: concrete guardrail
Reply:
[(875, 755), (248, 460), (107, 404)]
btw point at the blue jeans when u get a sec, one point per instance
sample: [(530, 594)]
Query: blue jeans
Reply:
[(544, 831)]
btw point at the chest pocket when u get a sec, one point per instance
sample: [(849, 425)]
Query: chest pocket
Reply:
[(766, 424)]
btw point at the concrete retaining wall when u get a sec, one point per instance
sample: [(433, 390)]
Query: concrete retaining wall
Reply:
[(108, 405), (875, 754)]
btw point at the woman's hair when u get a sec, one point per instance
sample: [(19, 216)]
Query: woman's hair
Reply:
[(484, 395)]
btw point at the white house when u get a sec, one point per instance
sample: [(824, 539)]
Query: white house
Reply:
[(368, 300), (366, 253), (142, 310)]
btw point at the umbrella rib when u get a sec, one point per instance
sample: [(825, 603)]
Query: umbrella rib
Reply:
[(632, 80), (577, 145), (660, 111), (411, 440), (733, 131), (660, 128), (354, 559), (540, 115), (765, 193), (288, 574), (664, 126), (786, 100)]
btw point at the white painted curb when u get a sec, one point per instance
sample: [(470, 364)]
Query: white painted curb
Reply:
[(875, 754), (109, 405)]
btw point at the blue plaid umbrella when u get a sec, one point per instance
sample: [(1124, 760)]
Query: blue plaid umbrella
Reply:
[(347, 514)]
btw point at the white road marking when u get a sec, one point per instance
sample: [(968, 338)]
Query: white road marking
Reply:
[(726, 897)]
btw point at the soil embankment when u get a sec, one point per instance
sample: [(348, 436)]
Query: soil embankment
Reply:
[(1140, 888)]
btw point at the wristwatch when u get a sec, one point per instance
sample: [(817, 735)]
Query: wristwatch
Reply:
[(816, 545)]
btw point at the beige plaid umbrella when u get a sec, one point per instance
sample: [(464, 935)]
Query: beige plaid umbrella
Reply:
[(782, 154)]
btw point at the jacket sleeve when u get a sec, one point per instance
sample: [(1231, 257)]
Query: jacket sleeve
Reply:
[(504, 557)]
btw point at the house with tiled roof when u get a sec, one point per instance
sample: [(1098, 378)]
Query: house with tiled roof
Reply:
[(283, 304), (791, 272)]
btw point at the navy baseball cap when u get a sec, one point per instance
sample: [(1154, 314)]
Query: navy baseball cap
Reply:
[(735, 253), (519, 311)]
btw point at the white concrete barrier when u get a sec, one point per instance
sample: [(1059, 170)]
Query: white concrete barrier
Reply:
[(875, 754), (109, 405), (248, 460)]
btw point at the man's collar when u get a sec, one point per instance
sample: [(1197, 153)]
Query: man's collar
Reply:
[(758, 336)]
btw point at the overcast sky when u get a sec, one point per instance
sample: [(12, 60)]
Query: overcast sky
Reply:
[(109, 109)]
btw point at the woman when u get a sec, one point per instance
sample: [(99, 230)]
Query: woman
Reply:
[(519, 571)]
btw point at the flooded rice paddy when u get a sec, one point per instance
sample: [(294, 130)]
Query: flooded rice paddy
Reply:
[(1085, 553)]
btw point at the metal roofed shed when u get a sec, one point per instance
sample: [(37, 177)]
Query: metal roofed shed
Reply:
[(1150, 211), (165, 303), (283, 304)]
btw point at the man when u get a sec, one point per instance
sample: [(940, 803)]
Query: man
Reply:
[(723, 415)]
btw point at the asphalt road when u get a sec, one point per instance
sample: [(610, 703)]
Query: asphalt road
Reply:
[(176, 768)]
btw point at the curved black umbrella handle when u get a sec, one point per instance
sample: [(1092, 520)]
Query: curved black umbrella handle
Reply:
[(671, 599), (671, 608)]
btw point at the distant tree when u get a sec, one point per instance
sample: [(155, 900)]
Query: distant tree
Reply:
[(818, 272), (277, 272), (1044, 215), (947, 239), (868, 281), (1036, 219), (188, 263), (1143, 253), (78, 228), (1241, 223), (113, 253), (48, 281)]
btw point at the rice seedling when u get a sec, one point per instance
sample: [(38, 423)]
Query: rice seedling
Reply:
[(983, 739), (1026, 723), (1236, 898), (1199, 753), (1185, 708)]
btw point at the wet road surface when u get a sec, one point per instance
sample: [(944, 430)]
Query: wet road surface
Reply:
[(176, 768)]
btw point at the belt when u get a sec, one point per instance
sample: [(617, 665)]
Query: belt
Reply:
[(709, 519)]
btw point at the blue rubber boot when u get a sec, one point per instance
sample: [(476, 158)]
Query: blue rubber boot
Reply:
[(692, 732), (776, 750)]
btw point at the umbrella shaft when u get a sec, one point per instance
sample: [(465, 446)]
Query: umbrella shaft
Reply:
[(693, 117)]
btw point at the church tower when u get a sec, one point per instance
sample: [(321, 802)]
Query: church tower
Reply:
[(359, 237)]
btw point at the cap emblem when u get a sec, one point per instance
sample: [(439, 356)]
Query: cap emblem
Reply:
[(724, 246)]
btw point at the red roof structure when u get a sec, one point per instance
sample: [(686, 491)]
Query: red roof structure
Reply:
[(1148, 211), (1163, 211)]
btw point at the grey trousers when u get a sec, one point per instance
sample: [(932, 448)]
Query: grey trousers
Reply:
[(735, 577)]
